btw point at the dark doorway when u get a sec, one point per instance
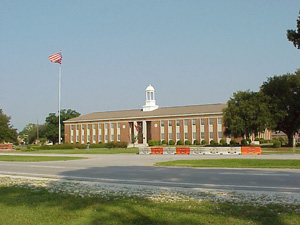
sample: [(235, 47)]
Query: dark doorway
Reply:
[(148, 123), (140, 132)]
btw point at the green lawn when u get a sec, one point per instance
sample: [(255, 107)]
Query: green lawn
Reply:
[(235, 163), (24, 158), (83, 151), (282, 150), (21, 206)]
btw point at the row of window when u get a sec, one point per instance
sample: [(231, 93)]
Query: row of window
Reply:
[(89, 126), (194, 136), (202, 122), (100, 133)]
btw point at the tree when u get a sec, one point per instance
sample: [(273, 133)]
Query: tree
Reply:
[(7, 132), (246, 114), (293, 35), (52, 123), (29, 132), (283, 101)]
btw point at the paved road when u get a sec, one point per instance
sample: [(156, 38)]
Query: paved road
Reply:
[(139, 169)]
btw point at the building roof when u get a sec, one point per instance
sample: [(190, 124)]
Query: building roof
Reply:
[(160, 112)]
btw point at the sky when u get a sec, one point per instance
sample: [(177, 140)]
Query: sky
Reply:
[(192, 52)]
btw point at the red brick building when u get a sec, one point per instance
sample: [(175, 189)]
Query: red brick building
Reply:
[(196, 122)]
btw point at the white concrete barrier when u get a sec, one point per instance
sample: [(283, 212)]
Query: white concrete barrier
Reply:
[(169, 151), (144, 151)]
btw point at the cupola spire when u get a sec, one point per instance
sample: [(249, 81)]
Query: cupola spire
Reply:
[(150, 99)]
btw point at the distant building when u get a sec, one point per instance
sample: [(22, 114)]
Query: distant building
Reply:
[(195, 122)]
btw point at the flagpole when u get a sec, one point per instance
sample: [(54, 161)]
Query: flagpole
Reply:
[(59, 85)]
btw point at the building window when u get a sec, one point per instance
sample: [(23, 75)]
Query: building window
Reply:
[(170, 123), (106, 125), (94, 138), (100, 138), (77, 127), (162, 123), (170, 136), (88, 138), (106, 138), (77, 138), (162, 136), (202, 135), (112, 137), (185, 122), (112, 125), (220, 134), (178, 136), (211, 135), (72, 127), (177, 123), (220, 120), (194, 135), (119, 125), (119, 137), (194, 121), (94, 126), (186, 136), (202, 121), (89, 126), (211, 121)]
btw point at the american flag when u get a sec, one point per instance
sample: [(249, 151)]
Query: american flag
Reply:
[(56, 58)]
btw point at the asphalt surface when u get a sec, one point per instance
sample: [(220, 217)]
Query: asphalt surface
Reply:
[(139, 170)]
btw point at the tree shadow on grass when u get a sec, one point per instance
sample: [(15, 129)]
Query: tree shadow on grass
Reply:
[(38, 206)]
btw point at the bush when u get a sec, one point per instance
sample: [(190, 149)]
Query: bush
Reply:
[(100, 145), (249, 141), (179, 142), (233, 142), (244, 142), (212, 142), (154, 143), (121, 144), (110, 145), (187, 142), (164, 142), (196, 142), (276, 143), (203, 142), (171, 142), (223, 142)]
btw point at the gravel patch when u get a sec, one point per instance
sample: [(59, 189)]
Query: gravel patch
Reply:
[(157, 194)]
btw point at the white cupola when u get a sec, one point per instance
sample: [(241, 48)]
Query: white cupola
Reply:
[(150, 100)]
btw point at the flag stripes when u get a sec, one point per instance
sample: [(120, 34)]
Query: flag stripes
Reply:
[(56, 58)]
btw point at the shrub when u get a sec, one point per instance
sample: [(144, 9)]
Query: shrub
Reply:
[(179, 142), (196, 142), (244, 142), (203, 142), (276, 143), (233, 142), (121, 144), (171, 142), (154, 143), (164, 142), (249, 141), (212, 142), (151, 143), (100, 145), (187, 142), (110, 145), (223, 142)]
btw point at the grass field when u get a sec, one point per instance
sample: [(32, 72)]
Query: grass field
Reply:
[(282, 150), (235, 163), (22, 206), (24, 158), (83, 151)]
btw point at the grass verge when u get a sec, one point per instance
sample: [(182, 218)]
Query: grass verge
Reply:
[(21, 158), (83, 151), (20, 205), (235, 163)]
